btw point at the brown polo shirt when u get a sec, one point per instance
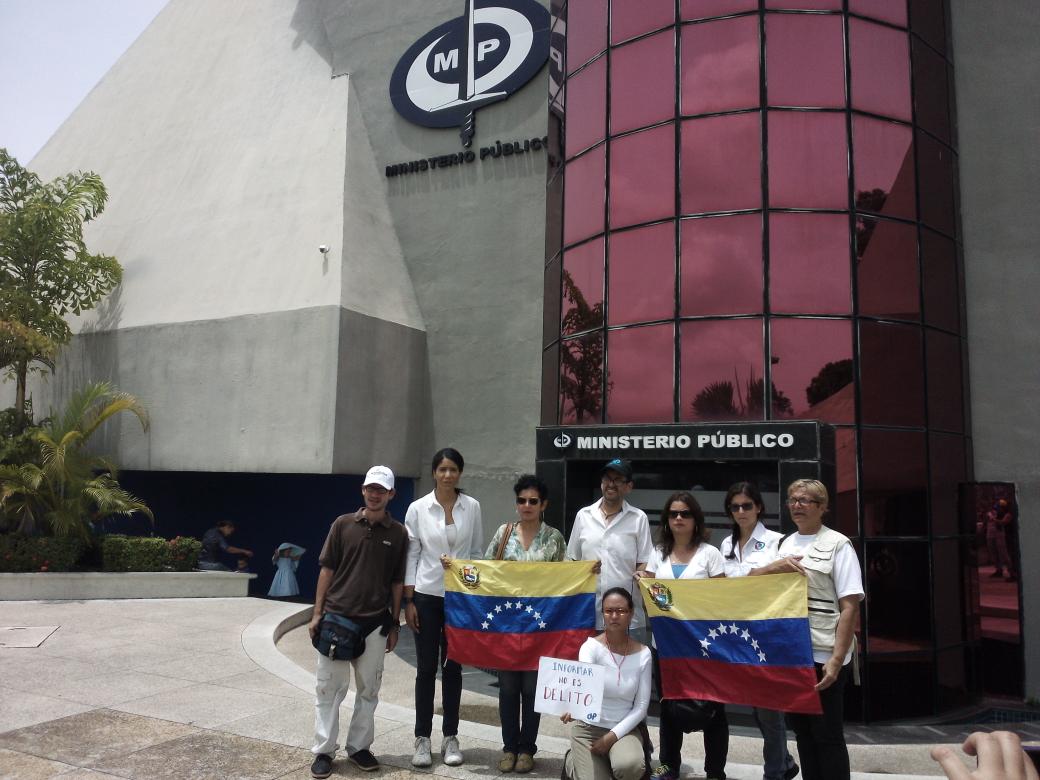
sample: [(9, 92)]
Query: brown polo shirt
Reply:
[(366, 558)]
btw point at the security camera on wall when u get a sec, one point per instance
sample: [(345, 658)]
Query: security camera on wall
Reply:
[(324, 249)]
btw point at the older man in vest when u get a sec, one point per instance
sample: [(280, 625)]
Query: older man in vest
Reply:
[(828, 559)]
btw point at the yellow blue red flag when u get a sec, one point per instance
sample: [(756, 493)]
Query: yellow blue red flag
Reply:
[(740, 640), (507, 614)]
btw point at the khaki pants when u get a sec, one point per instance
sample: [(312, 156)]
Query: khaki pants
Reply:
[(624, 762)]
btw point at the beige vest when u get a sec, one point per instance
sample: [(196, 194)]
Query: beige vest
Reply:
[(823, 598)]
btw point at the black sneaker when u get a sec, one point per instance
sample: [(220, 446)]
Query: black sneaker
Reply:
[(364, 761), (322, 766)]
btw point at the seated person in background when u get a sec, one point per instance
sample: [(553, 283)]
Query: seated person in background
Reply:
[(614, 747), (215, 547)]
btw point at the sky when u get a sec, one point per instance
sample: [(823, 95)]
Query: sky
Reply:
[(52, 53)]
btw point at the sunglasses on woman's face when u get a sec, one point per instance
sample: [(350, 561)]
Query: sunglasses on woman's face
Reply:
[(521, 501), (746, 507), (685, 514)]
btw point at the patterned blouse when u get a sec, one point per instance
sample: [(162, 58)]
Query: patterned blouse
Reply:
[(547, 545)]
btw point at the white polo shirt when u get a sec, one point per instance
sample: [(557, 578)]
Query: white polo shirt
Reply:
[(760, 550), (619, 545)]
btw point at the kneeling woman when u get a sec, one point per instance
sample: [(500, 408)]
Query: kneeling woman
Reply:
[(614, 747)]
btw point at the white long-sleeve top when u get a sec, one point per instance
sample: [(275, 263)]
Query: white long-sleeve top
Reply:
[(626, 687), (428, 540)]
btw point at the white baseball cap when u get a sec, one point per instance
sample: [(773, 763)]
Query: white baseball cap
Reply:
[(379, 475)]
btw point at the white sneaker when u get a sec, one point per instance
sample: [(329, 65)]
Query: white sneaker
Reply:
[(450, 751), (423, 752)]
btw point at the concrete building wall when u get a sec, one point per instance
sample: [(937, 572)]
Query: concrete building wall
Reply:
[(235, 138), (997, 69)]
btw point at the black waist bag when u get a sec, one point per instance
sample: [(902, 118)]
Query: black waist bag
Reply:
[(339, 638), (689, 714)]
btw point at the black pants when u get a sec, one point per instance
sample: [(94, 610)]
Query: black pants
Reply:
[(431, 650), (821, 738), (716, 744)]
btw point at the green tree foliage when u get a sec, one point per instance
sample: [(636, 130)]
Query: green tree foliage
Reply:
[(722, 401), (830, 379), (68, 486), (46, 271)]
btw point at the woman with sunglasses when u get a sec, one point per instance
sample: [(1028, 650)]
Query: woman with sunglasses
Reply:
[(528, 539), (828, 559), (748, 547), (682, 554)]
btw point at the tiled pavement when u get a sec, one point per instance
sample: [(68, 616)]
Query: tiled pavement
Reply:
[(195, 688)]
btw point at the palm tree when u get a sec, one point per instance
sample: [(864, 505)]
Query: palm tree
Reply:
[(72, 485)]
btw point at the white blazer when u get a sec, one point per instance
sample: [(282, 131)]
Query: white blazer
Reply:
[(428, 540)]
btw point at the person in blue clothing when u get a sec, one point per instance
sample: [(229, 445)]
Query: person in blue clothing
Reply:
[(286, 560), (215, 547)]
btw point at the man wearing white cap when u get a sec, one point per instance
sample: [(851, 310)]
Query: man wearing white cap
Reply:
[(358, 602)]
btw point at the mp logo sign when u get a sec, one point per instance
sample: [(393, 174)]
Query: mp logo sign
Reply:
[(479, 58)]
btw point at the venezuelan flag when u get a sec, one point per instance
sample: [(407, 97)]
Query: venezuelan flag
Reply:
[(507, 614), (741, 640)]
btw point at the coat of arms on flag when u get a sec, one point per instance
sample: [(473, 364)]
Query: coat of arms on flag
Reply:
[(741, 640), (507, 614)]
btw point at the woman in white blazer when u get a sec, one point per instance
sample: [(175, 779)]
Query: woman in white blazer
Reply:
[(682, 554), (442, 525)]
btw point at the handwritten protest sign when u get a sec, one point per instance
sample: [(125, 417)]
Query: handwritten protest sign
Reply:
[(569, 686)]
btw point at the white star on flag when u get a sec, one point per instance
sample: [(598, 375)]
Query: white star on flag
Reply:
[(713, 633), (498, 608), (490, 616), (705, 643), (484, 624), (761, 656), (745, 634), (542, 625), (529, 608), (537, 615), (733, 628)]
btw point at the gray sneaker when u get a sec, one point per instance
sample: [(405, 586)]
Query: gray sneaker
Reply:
[(450, 751), (423, 752)]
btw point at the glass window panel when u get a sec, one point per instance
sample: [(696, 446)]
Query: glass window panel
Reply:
[(721, 371), (586, 122), (721, 265), (897, 580), (883, 153), (805, 60), (586, 31), (948, 582), (880, 61), (701, 9), (945, 382), (721, 164), (628, 19), (948, 471), (954, 675), (582, 288), (583, 195), (891, 11), (939, 276), (641, 374), (642, 274), (554, 216), (551, 385), (931, 91), (581, 380), (894, 483), (845, 518), (935, 164), (808, 160), (891, 374), (812, 369), (911, 676), (886, 254), (806, 5), (809, 264), (928, 19), (552, 300), (642, 82), (720, 66), (642, 176)]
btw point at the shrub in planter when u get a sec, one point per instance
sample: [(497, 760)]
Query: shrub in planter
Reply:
[(133, 553), (183, 553), (20, 553)]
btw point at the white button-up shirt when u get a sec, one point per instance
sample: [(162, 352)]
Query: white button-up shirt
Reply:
[(758, 551), (428, 540), (619, 545)]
